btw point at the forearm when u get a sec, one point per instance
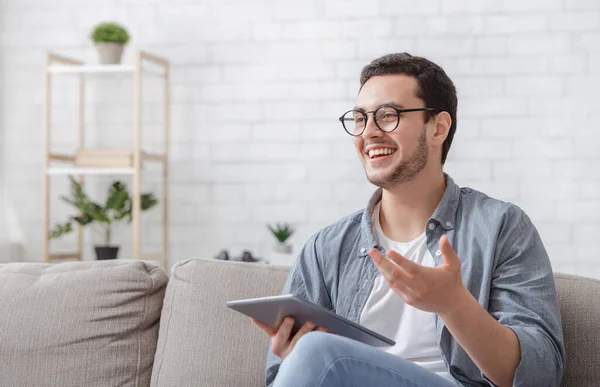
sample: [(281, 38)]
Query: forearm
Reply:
[(493, 347)]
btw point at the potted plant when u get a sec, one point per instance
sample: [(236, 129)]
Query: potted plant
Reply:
[(117, 208), (110, 39), (282, 232)]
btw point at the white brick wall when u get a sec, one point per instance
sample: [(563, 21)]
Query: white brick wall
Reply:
[(528, 75)]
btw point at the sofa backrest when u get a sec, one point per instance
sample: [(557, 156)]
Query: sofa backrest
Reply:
[(204, 343), (79, 323), (201, 341), (579, 299)]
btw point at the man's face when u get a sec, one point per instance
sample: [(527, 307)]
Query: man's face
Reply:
[(403, 153)]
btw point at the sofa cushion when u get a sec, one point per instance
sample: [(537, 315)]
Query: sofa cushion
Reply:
[(79, 323), (579, 299), (201, 341)]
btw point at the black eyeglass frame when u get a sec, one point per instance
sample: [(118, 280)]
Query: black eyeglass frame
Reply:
[(366, 116)]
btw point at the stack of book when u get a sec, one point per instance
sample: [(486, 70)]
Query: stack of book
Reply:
[(104, 158)]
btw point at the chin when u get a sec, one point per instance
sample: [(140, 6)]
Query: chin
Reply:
[(380, 179)]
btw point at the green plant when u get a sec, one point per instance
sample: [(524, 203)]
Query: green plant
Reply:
[(109, 32), (281, 231), (117, 208)]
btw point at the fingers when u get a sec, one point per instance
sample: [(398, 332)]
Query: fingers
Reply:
[(307, 327), (268, 330), (405, 264), (448, 252), (281, 344), (388, 268), (280, 340)]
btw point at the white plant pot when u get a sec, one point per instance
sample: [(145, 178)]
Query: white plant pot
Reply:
[(110, 53), (283, 248)]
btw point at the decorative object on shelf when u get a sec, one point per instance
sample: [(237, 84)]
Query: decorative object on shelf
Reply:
[(223, 255), (110, 39), (246, 256), (107, 158), (117, 208), (282, 232)]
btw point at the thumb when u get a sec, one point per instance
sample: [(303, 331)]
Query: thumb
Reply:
[(450, 257)]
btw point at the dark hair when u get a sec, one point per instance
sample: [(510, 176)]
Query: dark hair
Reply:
[(435, 88)]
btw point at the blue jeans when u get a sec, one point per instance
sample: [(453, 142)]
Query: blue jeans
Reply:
[(324, 360)]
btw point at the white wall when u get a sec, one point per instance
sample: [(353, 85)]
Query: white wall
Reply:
[(3, 232), (528, 75)]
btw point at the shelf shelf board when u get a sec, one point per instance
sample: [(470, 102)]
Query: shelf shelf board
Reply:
[(71, 256), (101, 69), (79, 69), (54, 171)]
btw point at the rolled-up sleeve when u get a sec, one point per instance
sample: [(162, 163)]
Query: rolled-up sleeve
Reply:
[(523, 297), (305, 280)]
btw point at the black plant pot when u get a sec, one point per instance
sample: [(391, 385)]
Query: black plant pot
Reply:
[(106, 252)]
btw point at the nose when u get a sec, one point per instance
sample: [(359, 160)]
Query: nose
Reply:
[(371, 129)]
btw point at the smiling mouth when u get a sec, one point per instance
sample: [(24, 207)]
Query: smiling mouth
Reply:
[(378, 153)]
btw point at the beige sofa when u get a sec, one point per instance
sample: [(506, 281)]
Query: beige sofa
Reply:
[(97, 324)]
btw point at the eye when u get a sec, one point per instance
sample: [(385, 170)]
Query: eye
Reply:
[(357, 117), (387, 115)]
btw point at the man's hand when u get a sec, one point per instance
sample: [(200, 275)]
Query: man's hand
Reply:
[(432, 289), (282, 345)]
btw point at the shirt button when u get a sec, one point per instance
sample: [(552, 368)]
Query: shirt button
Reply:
[(363, 250), (438, 253), (449, 224), (431, 226)]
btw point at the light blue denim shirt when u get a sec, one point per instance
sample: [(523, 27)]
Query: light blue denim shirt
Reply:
[(503, 264)]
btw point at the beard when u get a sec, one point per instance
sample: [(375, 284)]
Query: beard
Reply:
[(406, 170)]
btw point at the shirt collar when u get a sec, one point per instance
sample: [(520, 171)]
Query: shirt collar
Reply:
[(444, 214)]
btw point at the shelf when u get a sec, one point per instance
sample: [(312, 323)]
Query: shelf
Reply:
[(92, 161), (54, 257), (100, 69), (79, 69), (154, 157), (56, 171), (107, 158)]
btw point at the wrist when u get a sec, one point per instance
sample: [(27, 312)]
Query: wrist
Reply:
[(462, 301)]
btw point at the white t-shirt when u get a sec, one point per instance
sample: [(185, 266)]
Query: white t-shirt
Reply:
[(385, 312)]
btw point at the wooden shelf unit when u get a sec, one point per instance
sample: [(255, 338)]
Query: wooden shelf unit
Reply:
[(59, 64)]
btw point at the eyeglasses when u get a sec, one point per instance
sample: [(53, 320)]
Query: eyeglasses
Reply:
[(386, 118)]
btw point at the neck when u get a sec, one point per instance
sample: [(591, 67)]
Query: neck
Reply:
[(406, 208)]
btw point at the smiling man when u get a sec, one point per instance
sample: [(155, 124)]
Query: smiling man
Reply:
[(460, 281)]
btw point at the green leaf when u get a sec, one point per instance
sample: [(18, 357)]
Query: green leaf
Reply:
[(148, 201), (117, 207), (100, 216), (109, 32), (83, 219), (281, 231), (60, 229), (118, 197)]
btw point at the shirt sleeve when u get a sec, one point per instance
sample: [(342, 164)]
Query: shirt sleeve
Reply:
[(523, 297), (305, 280)]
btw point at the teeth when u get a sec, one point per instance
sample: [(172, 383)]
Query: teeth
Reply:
[(381, 151)]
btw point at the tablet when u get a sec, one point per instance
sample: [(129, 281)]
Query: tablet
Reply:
[(274, 309)]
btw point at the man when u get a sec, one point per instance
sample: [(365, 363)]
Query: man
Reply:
[(460, 281)]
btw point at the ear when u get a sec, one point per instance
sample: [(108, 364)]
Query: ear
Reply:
[(442, 123)]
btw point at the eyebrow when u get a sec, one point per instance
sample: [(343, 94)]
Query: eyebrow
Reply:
[(389, 103)]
